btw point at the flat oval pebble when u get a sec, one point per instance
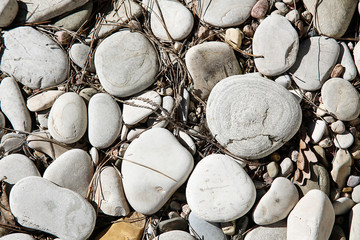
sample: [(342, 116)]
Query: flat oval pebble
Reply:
[(344, 140), (79, 53), (105, 120), (316, 57), (13, 105), (219, 189), (17, 236), (40, 62), (75, 217), (159, 166), (312, 218), (277, 203), (16, 167), (276, 231), (126, 63), (76, 19), (278, 42), (175, 234), (247, 127), (205, 230), (68, 118), (72, 170), (341, 98), (317, 130), (178, 19), (134, 114), (225, 13), (8, 11), (109, 195), (43, 100)]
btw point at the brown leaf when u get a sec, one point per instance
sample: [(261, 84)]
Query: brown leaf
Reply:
[(310, 155), (6, 215), (300, 163)]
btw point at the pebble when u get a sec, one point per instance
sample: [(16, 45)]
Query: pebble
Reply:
[(109, 195), (347, 61), (205, 230), (76, 19), (157, 151), (341, 98), (260, 9), (16, 167), (234, 36), (252, 129), (219, 189), (178, 19), (355, 196), (355, 222), (168, 103), (13, 105), (187, 142), (67, 207), (344, 140), (177, 223), (277, 203), (43, 101), (341, 167), (329, 119), (326, 143), (135, 114), (276, 231), (17, 236), (284, 80), (11, 142), (317, 130), (338, 127), (282, 7), (126, 63), (134, 133), (225, 13), (208, 63), (278, 42), (105, 120), (72, 170), (319, 179), (356, 54), (353, 181), (68, 118), (41, 141), (321, 110), (175, 234), (94, 153), (286, 167), (334, 25), (316, 58), (272, 169), (343, 205), (87, 93), (314, 226), (79, 53), (41, 62), (8, 11), (292, 16)]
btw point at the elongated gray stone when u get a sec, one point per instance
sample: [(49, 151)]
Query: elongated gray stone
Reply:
[(33, 58), (246, 126), (77, 18), (8, 11)]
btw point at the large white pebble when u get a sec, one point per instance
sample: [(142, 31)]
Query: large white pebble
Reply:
[(175, 234), (344, 140), (105, 120), (155, 166), (126, 63), (278, 43), (341, 167), (277, 203), (354, 223), (312, 218), (68, 118), (276, 231), (64, 213), (73, 170), (17, 236), (219, 189)]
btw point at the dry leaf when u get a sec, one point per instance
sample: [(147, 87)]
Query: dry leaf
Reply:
[(6, 217)]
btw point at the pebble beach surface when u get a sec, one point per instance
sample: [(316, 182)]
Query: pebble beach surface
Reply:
[(179, 120)]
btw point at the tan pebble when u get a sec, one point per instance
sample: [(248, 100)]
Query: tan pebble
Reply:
[(248, 31), (347, 189), (234, 36), (228, 227), (337, 71), (260, 9)]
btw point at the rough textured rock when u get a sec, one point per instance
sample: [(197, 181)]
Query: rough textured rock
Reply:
[(75, 217), (126, 63), (247, 127), (208, 63), (41, 62), (278, 42)]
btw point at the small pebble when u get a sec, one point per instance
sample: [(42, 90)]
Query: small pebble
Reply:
[(272, 169), (344, 140), (338, 127), (353, 181)]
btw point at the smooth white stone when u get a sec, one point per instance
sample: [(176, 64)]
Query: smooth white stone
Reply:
[(276, 231), (109, 195), (284, 80), (43, 101), (178, 19), (312, 218), (341, 167), (175, 234), (94, 156), (126, 63), (346, 60), (134, 133), (16, 167), (75, 217), (205, 230), (355, 196), (79, 53), (187, 142), (277, 203), (8, 11), (219, 189), (17, 236), (68, 118), (42, 119), (12, 142), (354, 223), (343, 205), (105, 120), (13, 105), (344, 140), (76, 18), (168, 103), (134, 114), (341, 98), (40, 62), (164, 166), (247, 127), (317, 130), (278, 42), (72, 170), (338, 127), (286, 167)]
